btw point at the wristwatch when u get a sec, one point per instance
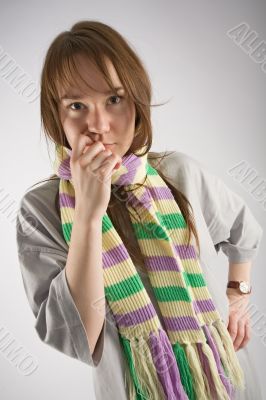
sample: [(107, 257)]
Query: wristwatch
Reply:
[(243, 286)]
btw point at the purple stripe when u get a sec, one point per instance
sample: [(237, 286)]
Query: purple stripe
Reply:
[(160, 193), (162, 263), (181, 323), (144, 202), (135, 317), (64, 169), (185, 252), (66, 200), (166, 366), (201, 306), (114, 256), (226, 381), (206, 368), (132, 163)]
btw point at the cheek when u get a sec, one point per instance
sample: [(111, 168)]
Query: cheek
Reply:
[(127, 120), (71, 126)]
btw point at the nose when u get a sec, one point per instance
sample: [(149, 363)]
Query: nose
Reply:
[(98, 123)]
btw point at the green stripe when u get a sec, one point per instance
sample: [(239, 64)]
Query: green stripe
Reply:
[(125, 288), (149, 230), (67, 229), (141, 394), (194, 280), (171, 293), (150, 170), (172, 220), (184, 369), (106, 224)]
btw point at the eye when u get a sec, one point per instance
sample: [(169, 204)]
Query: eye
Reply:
[(73, 108), (117, 97)]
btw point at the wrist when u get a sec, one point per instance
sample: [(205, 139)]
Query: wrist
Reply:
[(83, 217), (239, 287), (230, 292)]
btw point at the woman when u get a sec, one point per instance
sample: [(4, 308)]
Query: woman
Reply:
[(111, 247)]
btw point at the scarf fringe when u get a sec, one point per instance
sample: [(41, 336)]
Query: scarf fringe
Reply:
[(142, 379), (153, 372), (228, 355), (184, 369), (208, 378), (129, 384), (199, 382), (195, 371)]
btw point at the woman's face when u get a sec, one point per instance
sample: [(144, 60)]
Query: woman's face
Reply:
[(103, 117)]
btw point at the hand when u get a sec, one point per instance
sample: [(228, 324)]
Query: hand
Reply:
[(91, 169), (238, 323)]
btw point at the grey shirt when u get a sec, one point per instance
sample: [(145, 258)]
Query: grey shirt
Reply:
[(223, 220)]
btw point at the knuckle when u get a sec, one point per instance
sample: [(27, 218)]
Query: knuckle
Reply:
[(248, 335), (102, 172), (81, 163)]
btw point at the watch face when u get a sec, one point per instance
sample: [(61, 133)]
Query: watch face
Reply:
[(244, 287)]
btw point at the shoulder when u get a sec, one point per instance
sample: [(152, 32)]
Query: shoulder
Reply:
[(38, 220), (41, 197), (178, 166), (173, 158)]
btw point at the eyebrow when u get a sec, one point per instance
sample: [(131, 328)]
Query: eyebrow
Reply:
[(72, 96)]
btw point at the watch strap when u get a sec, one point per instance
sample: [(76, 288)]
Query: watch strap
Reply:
[(236, 285), (233, 284)]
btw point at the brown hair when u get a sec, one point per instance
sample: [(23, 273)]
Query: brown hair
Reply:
[(96, 41)]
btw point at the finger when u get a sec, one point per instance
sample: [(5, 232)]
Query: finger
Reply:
[(240, 334), (232, 325), (110, 164), (98, 161), (95, 156), (247, 335), (78, 145)]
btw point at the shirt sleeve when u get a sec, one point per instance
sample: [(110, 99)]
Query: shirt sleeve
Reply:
[(232, 226), (58, 322)]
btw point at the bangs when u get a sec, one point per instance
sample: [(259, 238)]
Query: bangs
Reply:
[(66, 73)]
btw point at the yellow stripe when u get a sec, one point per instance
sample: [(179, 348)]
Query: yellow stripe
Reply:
[(186, 336), (131, 303), (119, 272), (166, 278), (141, 329), (67, 214), (191, 266), (168, 309)]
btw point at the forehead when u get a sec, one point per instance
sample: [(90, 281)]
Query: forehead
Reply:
[(90, 79)]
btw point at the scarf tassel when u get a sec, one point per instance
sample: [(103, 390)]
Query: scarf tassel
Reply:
[(152, 368), (209, 379), (224, 344), (194, 371), (184, 369)]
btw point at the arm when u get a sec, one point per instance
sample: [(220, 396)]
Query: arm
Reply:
[(235, 231), (232, 226), (42, 261), (239, 272), (238, 323), (85, 274)]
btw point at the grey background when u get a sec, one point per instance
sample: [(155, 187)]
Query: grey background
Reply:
[(216, 115)]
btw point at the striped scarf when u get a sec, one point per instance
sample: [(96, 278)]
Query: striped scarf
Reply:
[(192, 356)]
